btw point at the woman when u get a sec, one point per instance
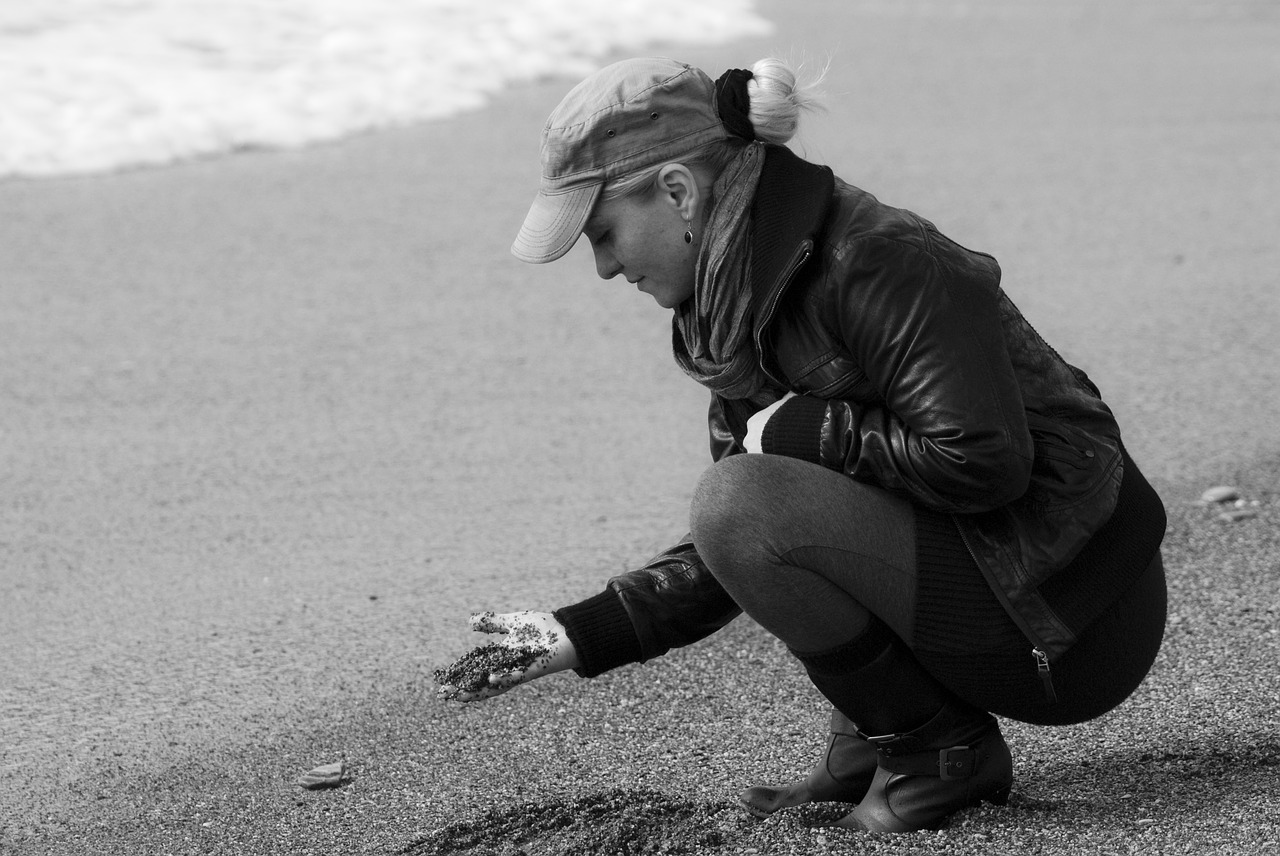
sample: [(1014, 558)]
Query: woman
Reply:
[(911, 489)]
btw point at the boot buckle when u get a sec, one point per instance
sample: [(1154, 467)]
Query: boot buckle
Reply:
[(957, 762)]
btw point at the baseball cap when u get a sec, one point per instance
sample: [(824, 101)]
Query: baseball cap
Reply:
[(629, 116)]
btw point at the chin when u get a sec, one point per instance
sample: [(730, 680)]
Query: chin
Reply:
[(671, 301)]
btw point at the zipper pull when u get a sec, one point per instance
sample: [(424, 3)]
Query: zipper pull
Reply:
[(1046, 676)]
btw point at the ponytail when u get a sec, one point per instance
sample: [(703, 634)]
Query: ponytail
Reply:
[(763, 104), (777, 100)]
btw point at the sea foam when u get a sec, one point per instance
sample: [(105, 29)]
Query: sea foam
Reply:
[(97, 85)]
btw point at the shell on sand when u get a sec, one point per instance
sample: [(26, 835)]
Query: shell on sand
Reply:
[(326, 776), (1220, 493)]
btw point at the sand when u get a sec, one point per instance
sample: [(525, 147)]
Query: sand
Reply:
[(275, 424)]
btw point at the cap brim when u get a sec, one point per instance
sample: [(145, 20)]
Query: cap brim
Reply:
[(554, 222)]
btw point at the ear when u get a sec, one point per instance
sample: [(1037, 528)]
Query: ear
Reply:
[(678, 187)]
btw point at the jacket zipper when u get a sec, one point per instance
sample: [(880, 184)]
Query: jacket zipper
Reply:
[(1041, 658), (797, 261), (1046, 675)]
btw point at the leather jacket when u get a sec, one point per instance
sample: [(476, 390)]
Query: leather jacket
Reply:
[(916, 373)]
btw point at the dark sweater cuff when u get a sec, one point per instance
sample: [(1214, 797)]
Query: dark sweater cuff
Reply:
[(795, 429), (601, 632)]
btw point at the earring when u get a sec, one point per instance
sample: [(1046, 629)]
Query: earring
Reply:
[(688, 234)]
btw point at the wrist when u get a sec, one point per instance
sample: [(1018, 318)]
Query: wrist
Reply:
[(795, 429), (600, 632)]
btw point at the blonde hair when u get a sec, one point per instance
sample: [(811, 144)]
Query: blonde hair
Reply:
[(777, 100)]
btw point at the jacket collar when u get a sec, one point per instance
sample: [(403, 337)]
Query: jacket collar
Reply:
[(791, 204)]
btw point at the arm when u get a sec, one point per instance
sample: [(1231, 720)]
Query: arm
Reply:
[(949, 430), (671, 602)]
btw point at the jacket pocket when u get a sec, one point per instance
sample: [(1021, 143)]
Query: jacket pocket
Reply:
[(1075, 479), (1067, 463)]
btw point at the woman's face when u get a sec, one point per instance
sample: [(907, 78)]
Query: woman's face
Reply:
[(642, 238)]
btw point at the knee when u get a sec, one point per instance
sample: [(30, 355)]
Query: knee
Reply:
[(713, 498), (722, 506)]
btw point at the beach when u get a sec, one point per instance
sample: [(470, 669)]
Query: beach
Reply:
[(276, 420), (94, 86)]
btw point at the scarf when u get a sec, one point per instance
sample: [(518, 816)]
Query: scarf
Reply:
[(711, 332)]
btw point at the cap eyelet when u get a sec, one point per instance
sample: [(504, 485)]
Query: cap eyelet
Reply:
[(653, 115), (611, 133)]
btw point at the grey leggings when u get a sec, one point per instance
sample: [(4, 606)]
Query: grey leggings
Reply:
[(807, 552), (812, 555)]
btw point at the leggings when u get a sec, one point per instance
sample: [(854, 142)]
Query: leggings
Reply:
[(813, 556)]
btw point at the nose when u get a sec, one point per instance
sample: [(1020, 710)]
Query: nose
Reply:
[(606, 265)]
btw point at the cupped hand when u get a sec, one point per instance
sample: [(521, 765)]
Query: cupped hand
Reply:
[(527, 645)]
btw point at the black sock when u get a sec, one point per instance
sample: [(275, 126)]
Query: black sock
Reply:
[(875, 680)]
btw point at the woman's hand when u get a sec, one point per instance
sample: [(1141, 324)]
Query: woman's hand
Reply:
[(529, 645), (755, 425)]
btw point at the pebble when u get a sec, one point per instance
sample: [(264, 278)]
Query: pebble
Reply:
[(1237, 514), (1220, 493), (326, 776)]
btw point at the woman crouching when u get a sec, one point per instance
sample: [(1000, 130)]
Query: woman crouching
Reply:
[(911, 489)]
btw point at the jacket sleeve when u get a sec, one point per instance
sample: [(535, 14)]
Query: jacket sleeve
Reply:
[(671, 602), (948, 430)]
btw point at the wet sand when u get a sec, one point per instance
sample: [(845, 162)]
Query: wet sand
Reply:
[(275, 424)]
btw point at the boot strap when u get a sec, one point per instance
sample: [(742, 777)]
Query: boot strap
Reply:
[(952, 722), (955, 762)]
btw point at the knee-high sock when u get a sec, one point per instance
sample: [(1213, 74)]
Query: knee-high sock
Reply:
[(875, 680)]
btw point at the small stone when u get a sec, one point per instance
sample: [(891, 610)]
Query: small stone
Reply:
[(1237, 514), (326, 776), (1220, 493)]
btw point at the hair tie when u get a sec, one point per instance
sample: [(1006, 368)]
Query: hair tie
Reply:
[(733, 103)]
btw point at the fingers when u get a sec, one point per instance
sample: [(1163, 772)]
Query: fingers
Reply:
[(526, 651), (502, 622), (491, 622), (493, 666)]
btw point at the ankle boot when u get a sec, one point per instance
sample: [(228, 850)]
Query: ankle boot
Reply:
[(842, 775), (955, 760)]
